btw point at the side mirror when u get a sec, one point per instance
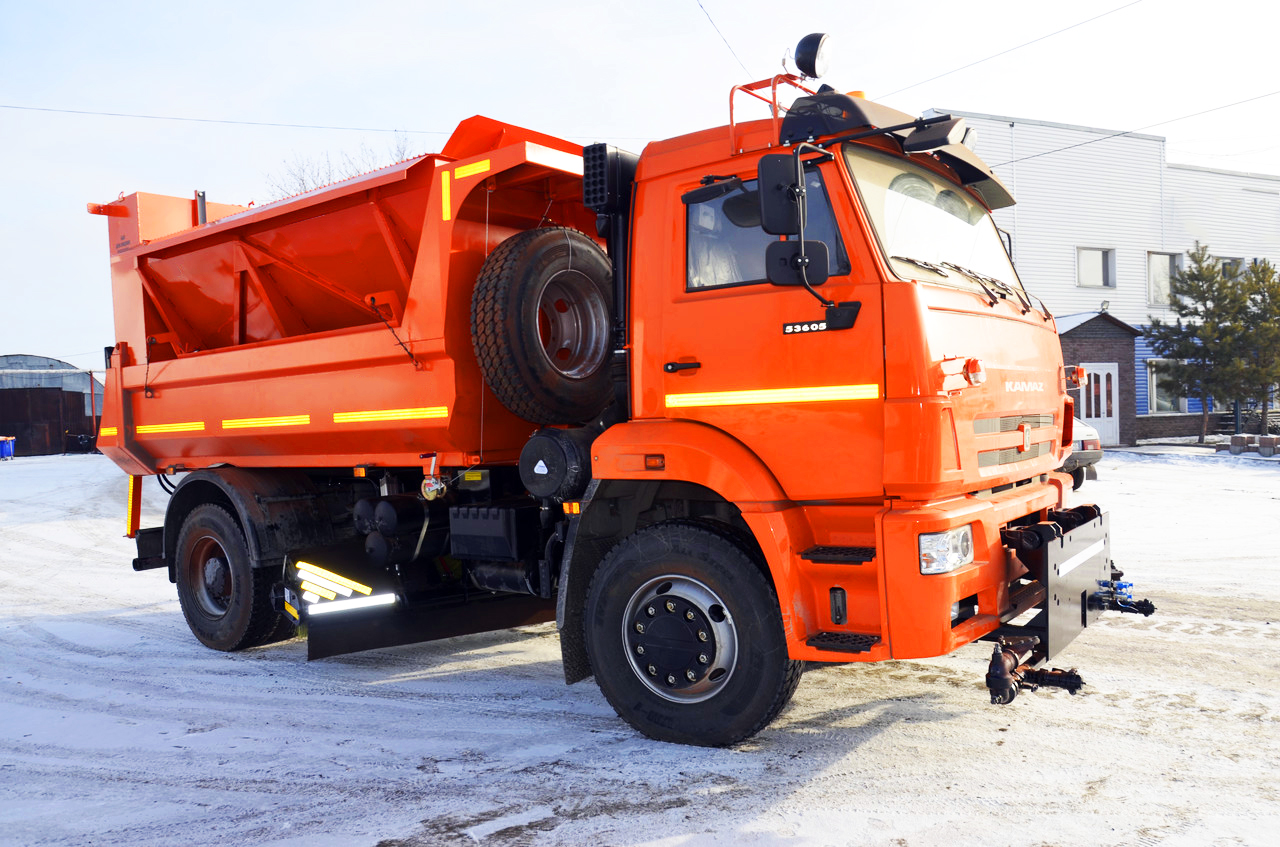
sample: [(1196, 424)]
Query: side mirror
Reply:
[(779, 203), (785, 266)]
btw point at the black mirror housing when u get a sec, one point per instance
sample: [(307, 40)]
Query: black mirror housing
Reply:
[(784, 265), (779, 204), (935, 136)]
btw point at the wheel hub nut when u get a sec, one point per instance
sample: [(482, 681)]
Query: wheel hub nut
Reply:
[(653, 671), (671, 607), (702, 658), (690, 675), (671, 679)]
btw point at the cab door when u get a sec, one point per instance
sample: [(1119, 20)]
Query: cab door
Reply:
[(760, 362)]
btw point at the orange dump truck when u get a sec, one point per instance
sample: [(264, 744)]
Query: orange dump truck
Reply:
[(767, 393)]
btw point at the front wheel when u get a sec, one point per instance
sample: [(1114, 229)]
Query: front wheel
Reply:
[(685, 636)]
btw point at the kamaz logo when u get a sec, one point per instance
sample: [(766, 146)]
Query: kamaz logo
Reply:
[(1010, 385)]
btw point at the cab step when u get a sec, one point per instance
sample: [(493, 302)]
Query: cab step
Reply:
[(839, 555), (843, 642)]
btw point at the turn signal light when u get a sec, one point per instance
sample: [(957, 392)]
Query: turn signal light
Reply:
[(975, 372)]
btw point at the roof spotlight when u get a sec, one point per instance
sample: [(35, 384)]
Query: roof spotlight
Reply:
[(811, 57)]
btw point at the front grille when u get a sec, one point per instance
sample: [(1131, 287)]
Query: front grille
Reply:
[(1009, 455), (1010, 423)]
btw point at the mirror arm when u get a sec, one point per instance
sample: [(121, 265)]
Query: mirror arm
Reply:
[(802, 206)]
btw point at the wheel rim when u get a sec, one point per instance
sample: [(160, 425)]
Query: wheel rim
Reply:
[(573, 325), (680, 639), (210, 577)]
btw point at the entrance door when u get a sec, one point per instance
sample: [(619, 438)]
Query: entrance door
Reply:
[(1100, 401)]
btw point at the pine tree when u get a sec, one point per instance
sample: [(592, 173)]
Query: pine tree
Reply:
[(1261, 286), (1205, 342)]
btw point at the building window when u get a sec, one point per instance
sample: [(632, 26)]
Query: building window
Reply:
[(1095, 268), (1161, 396), (1160, 267), (1230, 266)]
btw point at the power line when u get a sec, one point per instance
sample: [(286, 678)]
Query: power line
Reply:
[(91, 113), (1010, 50), (1139, 129), (725, 40), (218, 120)]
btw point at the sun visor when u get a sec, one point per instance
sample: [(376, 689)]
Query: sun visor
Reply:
[(975, 174), (831, 112)]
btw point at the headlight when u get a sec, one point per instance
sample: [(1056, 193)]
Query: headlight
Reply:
[(943, 552)]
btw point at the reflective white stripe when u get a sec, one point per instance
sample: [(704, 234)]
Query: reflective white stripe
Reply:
[(348, 605), (310, 598), (539, 155), (312, 588), (1083, 556)]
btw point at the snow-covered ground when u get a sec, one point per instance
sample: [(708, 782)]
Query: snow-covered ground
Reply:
[(118, 728)]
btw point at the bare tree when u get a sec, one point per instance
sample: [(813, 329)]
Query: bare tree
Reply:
[(305, 173)]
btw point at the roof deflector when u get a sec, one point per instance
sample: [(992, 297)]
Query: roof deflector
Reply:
[(831, 113)]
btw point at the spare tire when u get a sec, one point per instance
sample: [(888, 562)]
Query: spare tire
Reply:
[(540, 321)]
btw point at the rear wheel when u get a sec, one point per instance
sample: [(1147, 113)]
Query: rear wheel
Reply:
[(227, 602), (685, 636)]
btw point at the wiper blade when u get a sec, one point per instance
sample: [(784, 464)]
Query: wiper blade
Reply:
[(921, 263), (985, 282), (1023, 299)]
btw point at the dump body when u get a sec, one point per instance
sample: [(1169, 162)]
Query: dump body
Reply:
[(330, 329)]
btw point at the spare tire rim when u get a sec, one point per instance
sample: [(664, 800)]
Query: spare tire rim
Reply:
[(210, 576), (680, 639), (573, 324)]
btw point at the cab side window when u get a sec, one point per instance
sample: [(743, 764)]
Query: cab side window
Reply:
[(725, 244)]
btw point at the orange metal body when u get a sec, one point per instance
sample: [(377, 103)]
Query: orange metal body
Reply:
[(332, 330)]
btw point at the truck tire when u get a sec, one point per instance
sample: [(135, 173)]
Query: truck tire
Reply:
[(227, 602), (685, 636), (541, 317)]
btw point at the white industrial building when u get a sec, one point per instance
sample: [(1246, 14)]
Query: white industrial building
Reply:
[(1101, 219)]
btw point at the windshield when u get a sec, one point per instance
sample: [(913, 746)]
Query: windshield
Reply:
[(930, 228)]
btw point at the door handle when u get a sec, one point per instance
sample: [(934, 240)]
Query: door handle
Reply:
[(673, 367)]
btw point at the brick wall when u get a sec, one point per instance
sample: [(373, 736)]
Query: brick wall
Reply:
[(1171, 425), (1101, 341)]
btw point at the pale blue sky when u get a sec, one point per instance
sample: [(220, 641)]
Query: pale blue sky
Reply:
[(599, 71)]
